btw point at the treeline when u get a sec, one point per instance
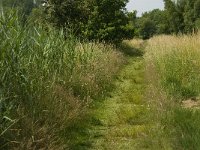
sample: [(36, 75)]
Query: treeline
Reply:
[(180, 16), (102, 20), (108, 20)]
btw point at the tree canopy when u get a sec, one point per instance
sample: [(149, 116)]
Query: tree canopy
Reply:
[(183, 15), (180, 16), (108, 20), (103, 20)]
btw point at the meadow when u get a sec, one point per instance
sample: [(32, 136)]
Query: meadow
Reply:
[(172, 71)]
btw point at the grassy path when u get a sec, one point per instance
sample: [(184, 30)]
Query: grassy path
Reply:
[(120, 120)]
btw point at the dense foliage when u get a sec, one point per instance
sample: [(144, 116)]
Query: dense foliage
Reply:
[(181, 16), (103, 20), (99, 20), (184, 15), (108, 20), (153, 22)]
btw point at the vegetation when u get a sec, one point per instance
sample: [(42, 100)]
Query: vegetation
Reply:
[(173, 72), (121, 119), (180, 16), (183, 14), (70, 79), (47, 83), (102, 20), (92, 20)]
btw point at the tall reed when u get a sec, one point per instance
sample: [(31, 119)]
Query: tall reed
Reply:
[(47, 81)]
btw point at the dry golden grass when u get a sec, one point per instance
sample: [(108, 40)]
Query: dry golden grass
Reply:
[(136, 42), (173, 67), (177, 59)]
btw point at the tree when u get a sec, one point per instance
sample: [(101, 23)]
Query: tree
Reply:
[(183, 15), (197, 9), (174, 16), (108, 21), (147, 28), (104, 20), (151, 23), (66, 12), (159, 17)]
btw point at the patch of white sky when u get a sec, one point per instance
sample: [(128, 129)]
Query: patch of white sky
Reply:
[(142, 6)]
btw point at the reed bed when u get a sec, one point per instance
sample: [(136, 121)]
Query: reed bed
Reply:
[(48, 79)]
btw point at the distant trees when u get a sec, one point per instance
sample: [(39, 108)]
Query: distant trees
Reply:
[(184, 15), (153, 22), (180, 16), (147, 28)]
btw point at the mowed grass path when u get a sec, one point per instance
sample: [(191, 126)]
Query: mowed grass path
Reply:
[(120, 121)]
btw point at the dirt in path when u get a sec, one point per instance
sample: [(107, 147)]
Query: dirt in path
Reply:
[(120, 121)]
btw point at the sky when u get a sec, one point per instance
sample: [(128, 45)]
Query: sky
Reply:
[(144, 5)]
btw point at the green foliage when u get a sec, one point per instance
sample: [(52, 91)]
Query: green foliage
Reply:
[(174, 17), (183, 15), (151, 23), (147, 28), (159, 17), (64, 13), (24, 7), (180, 16), (108, 21), (100, 20), (103, 20)]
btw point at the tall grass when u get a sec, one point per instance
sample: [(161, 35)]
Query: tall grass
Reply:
[(177, 60), (173, 66), (47, 81)]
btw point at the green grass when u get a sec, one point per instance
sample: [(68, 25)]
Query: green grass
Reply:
[(186, 122), (48, 79), (120, 120)]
